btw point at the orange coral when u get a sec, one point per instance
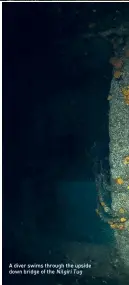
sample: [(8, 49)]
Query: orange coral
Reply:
[(117, 226), (113, 226), (121, 227), (102, 204), (122, 220), (116, 62), (127, 100), (126, 160), (119, 181), (117, 74), (121, 211), (125, 92)]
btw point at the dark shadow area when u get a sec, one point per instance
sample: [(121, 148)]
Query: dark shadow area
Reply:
[(56, 81)]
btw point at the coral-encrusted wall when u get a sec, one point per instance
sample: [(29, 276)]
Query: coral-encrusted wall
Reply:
[(119, 153)]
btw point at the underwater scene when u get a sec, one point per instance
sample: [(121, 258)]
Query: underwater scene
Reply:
[(65, 143)]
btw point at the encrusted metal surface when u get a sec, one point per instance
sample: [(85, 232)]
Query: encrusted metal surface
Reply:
[(119, 149)]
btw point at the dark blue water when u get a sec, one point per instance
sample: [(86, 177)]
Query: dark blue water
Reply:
[(54, 109)]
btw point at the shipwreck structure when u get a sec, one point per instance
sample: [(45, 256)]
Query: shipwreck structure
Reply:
[(116, 213), (119, 151)]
